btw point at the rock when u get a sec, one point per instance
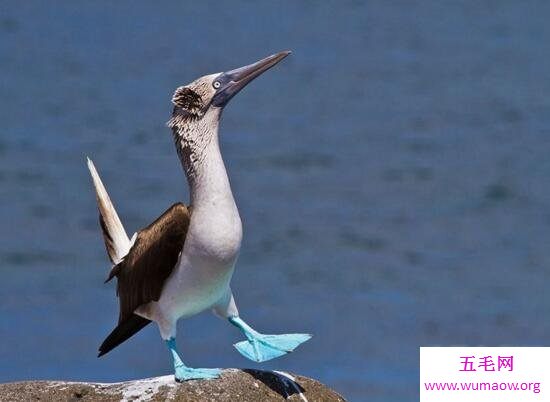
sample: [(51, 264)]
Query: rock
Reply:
[(234, 385)]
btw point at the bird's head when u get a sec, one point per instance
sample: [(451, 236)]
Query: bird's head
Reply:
[(205, 98)]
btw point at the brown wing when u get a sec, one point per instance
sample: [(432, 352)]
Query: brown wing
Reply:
[(142, 273)]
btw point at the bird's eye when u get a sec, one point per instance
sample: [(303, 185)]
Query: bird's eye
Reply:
[(217, 84)]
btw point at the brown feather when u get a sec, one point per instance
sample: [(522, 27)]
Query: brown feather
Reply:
[(143, 271)]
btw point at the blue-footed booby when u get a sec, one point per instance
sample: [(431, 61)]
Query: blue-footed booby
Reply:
[(182, 263)]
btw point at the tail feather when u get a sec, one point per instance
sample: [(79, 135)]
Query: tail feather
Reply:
[(123, 331), (114, 235)]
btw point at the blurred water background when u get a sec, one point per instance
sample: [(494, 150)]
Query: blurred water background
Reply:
[(393, 176)]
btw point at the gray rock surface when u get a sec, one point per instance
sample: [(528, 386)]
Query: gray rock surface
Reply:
[(234, 385)]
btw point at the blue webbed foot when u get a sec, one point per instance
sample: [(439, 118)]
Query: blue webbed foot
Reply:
[(184, 373), (261, 348)]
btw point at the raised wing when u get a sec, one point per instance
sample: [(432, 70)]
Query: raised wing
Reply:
[(114, 235)]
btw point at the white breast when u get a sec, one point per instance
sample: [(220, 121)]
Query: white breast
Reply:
[(206, 265), (215, 234)]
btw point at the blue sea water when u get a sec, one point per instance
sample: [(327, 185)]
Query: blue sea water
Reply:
[(392, 176)]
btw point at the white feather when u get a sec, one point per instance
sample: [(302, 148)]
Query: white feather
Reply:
[(112, 222)]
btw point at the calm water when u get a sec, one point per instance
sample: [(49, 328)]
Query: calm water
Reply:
[(392, 175)]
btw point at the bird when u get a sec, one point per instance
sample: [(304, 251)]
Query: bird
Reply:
[(182, 264)]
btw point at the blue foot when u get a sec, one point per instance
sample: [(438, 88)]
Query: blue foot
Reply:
[(261, 348), (184, 373)]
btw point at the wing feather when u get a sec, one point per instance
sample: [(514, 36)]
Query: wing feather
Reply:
[(114, 235), (151, 260)]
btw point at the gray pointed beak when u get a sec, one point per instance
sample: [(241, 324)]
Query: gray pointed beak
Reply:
[(231, 82)]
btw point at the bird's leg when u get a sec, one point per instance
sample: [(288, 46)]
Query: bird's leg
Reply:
[(260, 348), (184, 373)]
